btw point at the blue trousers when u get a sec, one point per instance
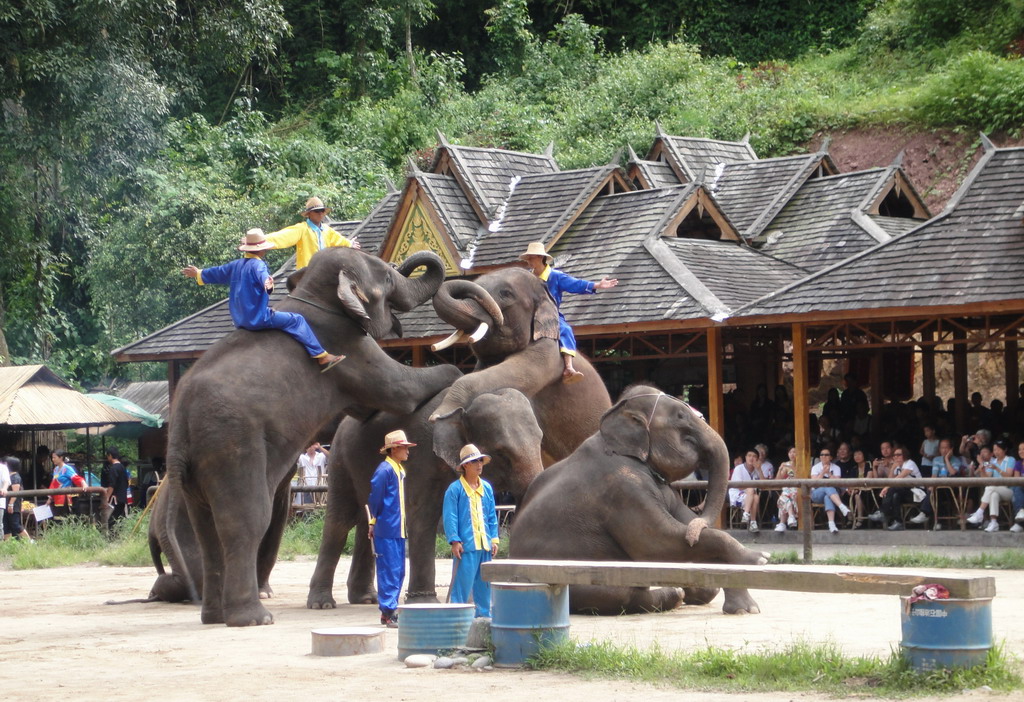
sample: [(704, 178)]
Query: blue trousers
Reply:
[(390, 572), (468, 579), (295, 326), (1018, 499), (566, 339), (823, 495)]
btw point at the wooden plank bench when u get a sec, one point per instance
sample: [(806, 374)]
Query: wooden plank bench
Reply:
[(766, 577)]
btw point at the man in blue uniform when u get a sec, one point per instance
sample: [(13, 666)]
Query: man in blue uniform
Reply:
[(471, 527), (558, 282), (249, 296), (388, 527)]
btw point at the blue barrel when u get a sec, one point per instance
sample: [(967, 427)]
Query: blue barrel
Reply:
[(526, 617), (951, 633), (428, 628)]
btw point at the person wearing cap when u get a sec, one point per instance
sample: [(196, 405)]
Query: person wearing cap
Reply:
[(471, 527), (388, 524), (558, 283), (310, 235), (249, 296)]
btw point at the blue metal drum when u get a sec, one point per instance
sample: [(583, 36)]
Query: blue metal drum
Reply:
[(526, 617), (428, 628), (951, 633)]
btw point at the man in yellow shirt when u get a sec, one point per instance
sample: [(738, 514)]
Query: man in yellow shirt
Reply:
[(310, 235)]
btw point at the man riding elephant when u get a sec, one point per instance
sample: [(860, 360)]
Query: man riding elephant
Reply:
[(611, 500)]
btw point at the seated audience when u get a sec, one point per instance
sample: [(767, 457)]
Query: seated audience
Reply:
[(789, 508), (829, 496), (894, 497), (747, 498), (1002, 465)]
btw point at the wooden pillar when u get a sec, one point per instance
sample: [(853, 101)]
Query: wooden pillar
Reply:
[(927, 367), (419, 356), (960, 380), (173, 376), (716, 402), (875, 396), (801, 427), (1012, 364)]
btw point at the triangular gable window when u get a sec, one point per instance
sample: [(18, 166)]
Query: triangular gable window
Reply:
[(699, 224), (896, 204)]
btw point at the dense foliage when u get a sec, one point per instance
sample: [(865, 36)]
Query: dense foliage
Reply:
[(136, 137)]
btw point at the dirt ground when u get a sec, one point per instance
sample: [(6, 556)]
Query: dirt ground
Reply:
[(72, 646)]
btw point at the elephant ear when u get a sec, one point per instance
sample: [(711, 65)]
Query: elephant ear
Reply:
[(545, 319), (353, 301), (626, 432), (295, 278), (449, 436)]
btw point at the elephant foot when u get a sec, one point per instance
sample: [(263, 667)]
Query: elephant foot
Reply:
[(320, 599), (266, 592), (211, 614), (421, 598), (366, 597), (739, 602), (255, 615), (699, 595)]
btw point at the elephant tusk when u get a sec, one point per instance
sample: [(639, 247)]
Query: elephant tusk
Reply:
[(480, 332), (455, 337)]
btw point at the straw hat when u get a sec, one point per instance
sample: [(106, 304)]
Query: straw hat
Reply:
[(469, 453), (255, 240), (536, 248), (315, 203), (395, 439)]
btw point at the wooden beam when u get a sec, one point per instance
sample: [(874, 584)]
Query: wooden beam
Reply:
[(1012, 365), (767, 577), (960, 381), (801, 428), (974, 309), (927, 366), (875, 378), (419, 356), (716, 402), (173, 376)]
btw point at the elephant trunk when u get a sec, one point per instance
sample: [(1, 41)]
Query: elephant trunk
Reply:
[(413, 292), (718, 463), (466, 305)]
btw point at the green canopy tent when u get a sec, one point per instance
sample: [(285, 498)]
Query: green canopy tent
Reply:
[(147, 420)]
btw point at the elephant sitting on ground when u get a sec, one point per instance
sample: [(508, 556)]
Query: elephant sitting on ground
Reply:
[(611, 500)]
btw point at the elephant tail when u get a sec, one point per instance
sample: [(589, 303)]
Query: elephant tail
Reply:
[(177, 470)]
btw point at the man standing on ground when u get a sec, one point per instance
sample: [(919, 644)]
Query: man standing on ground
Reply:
[(388, 524), (115, 480), (312, 464), (471, 527)]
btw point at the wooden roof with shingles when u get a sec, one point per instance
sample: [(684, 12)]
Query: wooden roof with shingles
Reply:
[(694, 156), (972, 253), (452, 206), (818, 227), (372, 230), (752, 193), (654, 174), (539, 208), (488, 174), (150, 395)]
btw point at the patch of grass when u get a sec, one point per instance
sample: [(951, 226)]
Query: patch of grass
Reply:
[(799, 666), (302, 536), (1007, 559)]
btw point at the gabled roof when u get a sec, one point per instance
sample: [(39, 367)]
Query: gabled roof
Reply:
[(691, 157), (150, 395), (486, 175), (539, 208), (372, 230), (452, 206), (650, 174), (33, 397), (191, 336), (752, 193), (972, 253), (829, 219)]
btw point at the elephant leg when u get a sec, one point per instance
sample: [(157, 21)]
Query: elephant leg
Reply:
[(739, 602), (240, 532), (716, 546), (699, 595), (213, 563), (612, 601), (271, 543), (424, 517), (361, 589), (342, 513)]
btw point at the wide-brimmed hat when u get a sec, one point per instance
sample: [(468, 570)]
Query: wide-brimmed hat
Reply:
[(536, 248), (469, 453), (315, 203), (255, 240), (395, 439)]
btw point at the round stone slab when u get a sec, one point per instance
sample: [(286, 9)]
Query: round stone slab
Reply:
[(348, 641)]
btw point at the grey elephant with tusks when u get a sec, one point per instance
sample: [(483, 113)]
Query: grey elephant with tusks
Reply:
[(611, 501)]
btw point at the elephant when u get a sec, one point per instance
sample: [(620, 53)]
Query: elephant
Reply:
[(504, 426), (254, 400), (611, 500), (518, 350)]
